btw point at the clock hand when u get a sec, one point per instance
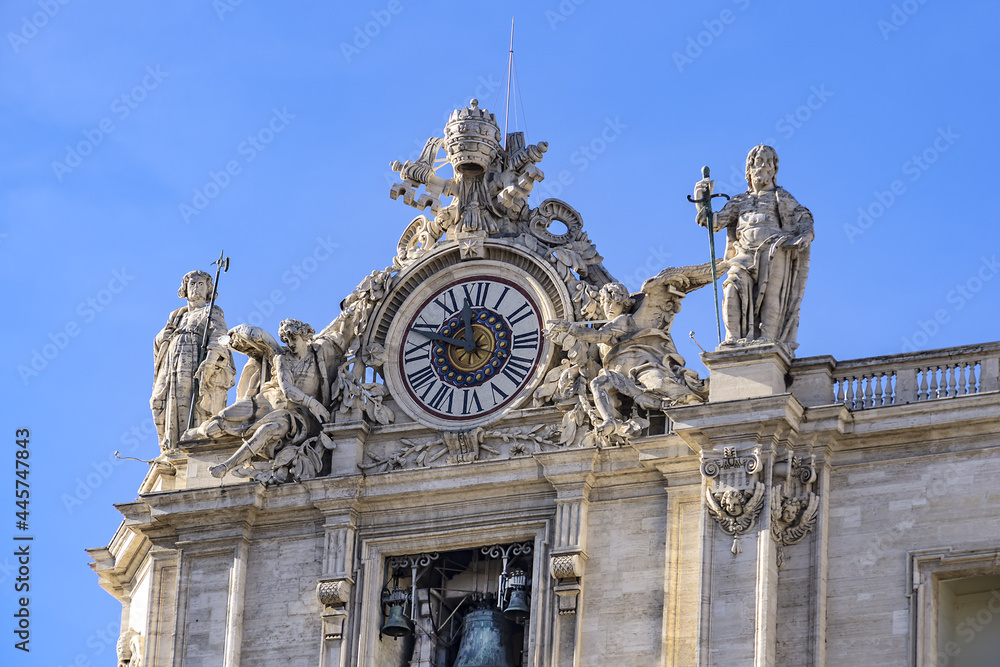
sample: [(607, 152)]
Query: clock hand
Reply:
[(470, 344), (436, 336)]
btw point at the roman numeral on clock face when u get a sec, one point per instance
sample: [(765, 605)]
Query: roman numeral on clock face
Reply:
[(448, 303), (526, 341), (420, 377), (522, 313), (517, 369), (470, 402), (443, 398), (476, 293), (448, 380), (416, 352)]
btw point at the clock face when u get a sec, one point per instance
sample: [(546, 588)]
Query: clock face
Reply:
[(469, 349)]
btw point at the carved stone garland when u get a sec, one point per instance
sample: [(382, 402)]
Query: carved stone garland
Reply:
[(734, 495), (465, 447)]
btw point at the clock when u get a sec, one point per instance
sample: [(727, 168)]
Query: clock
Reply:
[(467, 345)]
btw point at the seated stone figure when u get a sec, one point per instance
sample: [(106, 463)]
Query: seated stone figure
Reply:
[(283, 399), (637, 354)]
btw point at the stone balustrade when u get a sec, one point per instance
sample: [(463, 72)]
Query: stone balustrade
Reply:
[(875, 382)]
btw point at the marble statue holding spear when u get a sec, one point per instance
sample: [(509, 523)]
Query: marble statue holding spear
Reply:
[(768, 235), (192, 370)]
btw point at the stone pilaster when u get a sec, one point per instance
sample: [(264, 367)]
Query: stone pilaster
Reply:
[(336, 584), (571, 474), (739, 442)]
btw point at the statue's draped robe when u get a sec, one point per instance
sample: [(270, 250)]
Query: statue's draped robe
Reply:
[(175, 353), (768, 276), (281, 396)]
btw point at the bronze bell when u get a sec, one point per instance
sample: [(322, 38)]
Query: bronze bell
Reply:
[(397, 625), (485, 640), (517, 607)]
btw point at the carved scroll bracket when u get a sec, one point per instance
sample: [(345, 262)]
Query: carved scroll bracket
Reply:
[(734, 495), (794, 505)]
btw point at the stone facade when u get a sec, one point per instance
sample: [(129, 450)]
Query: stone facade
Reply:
[(791, 512)]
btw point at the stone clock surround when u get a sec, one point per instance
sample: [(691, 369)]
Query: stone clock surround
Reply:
[(513, 265)]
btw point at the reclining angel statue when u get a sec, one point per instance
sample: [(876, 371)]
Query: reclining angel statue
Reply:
[(638, 358), (283, 398)]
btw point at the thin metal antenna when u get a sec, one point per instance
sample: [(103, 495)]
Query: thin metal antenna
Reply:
[(510, 62)]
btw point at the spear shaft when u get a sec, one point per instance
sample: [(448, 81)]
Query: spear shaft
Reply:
[(222, 264), (705, 204)]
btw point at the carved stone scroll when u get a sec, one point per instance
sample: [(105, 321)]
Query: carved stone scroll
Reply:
[(734, 495), (794, 506)]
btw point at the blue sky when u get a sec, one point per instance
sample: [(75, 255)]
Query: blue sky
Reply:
[(117, 116)]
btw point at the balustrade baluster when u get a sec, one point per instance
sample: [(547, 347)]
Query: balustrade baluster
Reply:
[(849, 400), (933, 387), (868, 400)]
